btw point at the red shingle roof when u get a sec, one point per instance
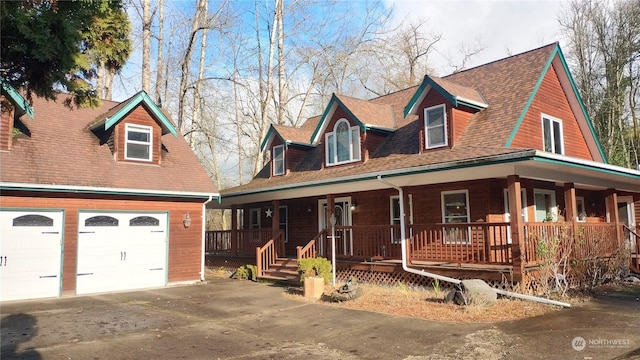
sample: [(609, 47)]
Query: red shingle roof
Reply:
[(63, 151), (505, 85)]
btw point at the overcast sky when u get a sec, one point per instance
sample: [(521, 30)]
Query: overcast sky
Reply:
[(504, 27)]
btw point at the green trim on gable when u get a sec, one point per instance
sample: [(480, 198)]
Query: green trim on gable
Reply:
[(547, 66), (325, 114), (415, 97), (142, 97), (581, 103), (267, 136), (16, 98)]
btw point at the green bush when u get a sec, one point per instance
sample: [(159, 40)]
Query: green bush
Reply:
[(246, 272), (315, 267)]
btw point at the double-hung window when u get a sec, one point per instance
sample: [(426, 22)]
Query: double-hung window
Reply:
[(455, 210), (435, 124), (138, 142), (278, 160), (552, 135), (343, 144), (394, 211)]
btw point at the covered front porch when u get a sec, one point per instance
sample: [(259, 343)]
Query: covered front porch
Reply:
[(482, 249)]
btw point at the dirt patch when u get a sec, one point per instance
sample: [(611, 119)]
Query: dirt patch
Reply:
[(429, 305)]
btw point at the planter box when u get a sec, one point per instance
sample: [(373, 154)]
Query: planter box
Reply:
[(313, 287)]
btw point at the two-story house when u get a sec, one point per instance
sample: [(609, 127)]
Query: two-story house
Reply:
[(471, 169)]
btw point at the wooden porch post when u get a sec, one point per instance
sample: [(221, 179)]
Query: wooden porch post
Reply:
[(275, 217), (612, 204), (234, 230), (517, 234), (571, 208)]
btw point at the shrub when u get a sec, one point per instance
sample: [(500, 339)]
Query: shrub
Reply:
[(315, 267), (246, 272)]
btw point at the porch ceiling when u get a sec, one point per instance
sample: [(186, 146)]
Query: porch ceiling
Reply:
[(532, 165)]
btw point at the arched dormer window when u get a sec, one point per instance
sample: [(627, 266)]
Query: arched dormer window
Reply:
[(342, 145)]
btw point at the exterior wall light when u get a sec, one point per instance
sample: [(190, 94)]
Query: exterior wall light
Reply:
[(187, 221)]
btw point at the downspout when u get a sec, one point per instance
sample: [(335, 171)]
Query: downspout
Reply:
[(204, 226), (406, 268)]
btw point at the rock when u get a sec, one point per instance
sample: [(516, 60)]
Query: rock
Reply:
[(632, 279), (349, 291), (457, 297), (479, 292)]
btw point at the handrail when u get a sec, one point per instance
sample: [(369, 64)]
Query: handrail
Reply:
[(637, 237), (308, 251), (265, 256)]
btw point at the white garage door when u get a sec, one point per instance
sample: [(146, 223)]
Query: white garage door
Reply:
[(121, 251), (30, 254)]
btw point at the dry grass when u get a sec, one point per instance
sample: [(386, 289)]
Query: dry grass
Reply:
[(429, 305)]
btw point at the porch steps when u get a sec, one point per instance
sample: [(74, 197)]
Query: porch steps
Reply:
[(284, 269)]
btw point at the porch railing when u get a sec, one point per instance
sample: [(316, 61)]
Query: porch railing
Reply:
[(220, 242), (475, 243), (583, 240)]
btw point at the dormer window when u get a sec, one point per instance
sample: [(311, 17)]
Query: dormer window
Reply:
[(278, 160), (138, 142), (343, 144), (552, 135), (435, 123)]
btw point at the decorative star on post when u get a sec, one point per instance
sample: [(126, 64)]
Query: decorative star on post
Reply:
[(269, 212)]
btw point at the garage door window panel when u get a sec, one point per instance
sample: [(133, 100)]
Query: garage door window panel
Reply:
[(33, 220), (144, 221), (101, 220)]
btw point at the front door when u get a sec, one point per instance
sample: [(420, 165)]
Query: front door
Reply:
[(344, 243), (626, 216)]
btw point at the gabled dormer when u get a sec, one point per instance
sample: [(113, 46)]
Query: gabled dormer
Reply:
[(444, 108), (12, 107), (133, 130), (287, 146), (350, 129)]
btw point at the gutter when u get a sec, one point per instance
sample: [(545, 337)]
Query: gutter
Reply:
[(406, 268), (204, 226), (102, 190)]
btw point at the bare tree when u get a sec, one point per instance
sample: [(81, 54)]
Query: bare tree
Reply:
[(604, 53)]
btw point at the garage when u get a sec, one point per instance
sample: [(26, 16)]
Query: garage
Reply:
[(30, 254), (121, 251)]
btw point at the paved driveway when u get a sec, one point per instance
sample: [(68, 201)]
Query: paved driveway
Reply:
[(231, 319)]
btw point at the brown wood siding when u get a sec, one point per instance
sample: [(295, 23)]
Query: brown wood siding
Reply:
[(6, 125), (293, 156), (460, 118), (551, 100), (184, 249), (434, 98), (139, 116), (302, 224), (371, 143)]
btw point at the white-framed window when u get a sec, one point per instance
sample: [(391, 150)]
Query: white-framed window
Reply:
[(581, 209), (552, 138), (455, 209), (435, 126), (545, 204), (138, 142), (284, 226), (342, 145), (394, 212), (278, 160), (254, 218)]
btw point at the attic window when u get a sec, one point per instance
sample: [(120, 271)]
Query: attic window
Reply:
[(435, 123), (343, 144), (552, 134), (278, 160), (138, 142)]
